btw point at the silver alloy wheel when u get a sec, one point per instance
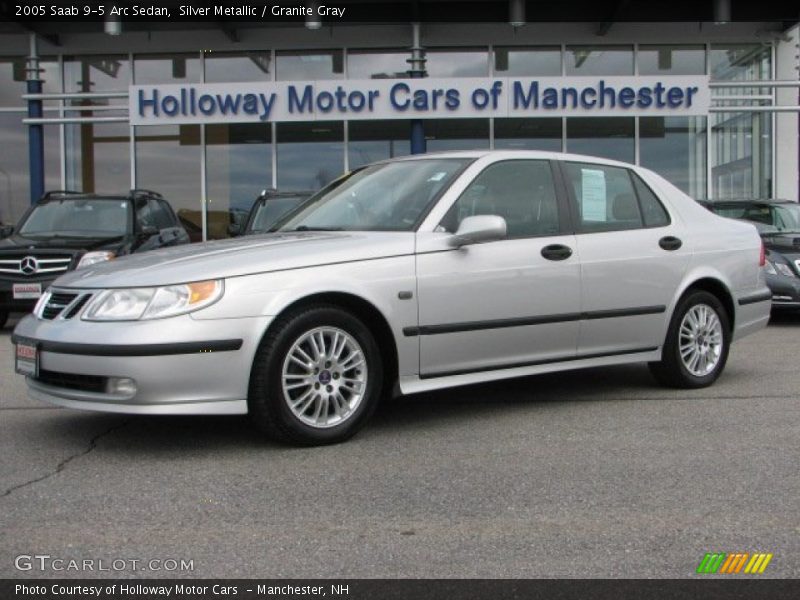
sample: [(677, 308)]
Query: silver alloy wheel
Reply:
[(324, 377), (700, 340)]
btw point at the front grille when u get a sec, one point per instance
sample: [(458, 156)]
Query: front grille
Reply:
[(29, 265), (77, 306), (56, 303), (71, 381), (63, 304)]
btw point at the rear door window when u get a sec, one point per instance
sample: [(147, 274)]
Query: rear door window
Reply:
[(604, 197)]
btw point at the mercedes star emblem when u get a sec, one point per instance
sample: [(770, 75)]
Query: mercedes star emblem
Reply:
[(28, 265)]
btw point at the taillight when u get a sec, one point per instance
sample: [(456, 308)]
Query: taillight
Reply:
[(762, 260)]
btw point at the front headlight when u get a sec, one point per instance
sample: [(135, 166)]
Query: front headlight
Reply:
[(779, 268), (92, 258), (135, 304)]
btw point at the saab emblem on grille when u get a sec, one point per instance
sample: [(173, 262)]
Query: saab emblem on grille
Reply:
[(28, 265)]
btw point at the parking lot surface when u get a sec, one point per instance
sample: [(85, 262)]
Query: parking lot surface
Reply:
[(596, 473)]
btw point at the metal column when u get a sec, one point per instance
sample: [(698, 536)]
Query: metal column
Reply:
[(417, 70), (35, 130)]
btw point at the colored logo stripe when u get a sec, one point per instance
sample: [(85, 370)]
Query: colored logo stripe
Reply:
[(734, 562), (722, 562), (758, 563), (711, 562)]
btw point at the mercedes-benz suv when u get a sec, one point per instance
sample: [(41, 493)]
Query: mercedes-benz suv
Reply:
[(69, 230)]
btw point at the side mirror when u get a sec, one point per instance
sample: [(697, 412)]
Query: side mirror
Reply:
[(148, 231), (234, 230), (477, 229), (6, 230)]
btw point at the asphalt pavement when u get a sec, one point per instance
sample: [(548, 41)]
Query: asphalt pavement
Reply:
[(597, 473)]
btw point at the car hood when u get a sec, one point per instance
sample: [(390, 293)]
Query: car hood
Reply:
[(240, 256), (21, 242)]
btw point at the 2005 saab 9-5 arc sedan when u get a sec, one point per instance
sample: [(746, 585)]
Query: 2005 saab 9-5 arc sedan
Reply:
[(404, 276)]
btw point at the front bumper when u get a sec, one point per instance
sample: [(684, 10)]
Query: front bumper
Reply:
[(11, 304), (178, 365), (785, 291)]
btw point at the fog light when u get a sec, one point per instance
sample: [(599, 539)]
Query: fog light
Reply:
[(124, 386)]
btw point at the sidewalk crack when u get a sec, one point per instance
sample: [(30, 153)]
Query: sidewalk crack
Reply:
[(62, 465)]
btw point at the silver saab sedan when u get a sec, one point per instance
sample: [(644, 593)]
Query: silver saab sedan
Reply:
[(406, 276)]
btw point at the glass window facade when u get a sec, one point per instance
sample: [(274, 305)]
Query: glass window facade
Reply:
[(310, 155), (377, 64), (723, 155), (741, 142), (168, 68), (599, 60), (675, 147), (224, 67), (672, 60), (442, 135), (168, 162), (527, 62), (609, 137), (98, 157), (463, 62), (370, 141), (528, 134), (14, 180), (311, 65), (238, 168)]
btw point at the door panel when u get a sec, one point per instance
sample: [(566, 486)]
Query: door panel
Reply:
[(629, 272), (632, 258), (496, 304)]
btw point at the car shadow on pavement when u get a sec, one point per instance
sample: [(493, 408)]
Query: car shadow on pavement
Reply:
[(149, 436), (785, 317)]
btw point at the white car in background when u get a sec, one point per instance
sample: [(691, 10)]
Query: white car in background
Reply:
[(407, 275)]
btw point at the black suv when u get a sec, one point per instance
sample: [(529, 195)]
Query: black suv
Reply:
[(69, 230), (778, 222)]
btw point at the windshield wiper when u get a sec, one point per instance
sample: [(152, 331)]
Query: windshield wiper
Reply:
[(313, 228)]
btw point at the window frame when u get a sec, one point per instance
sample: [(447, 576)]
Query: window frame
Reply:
[(565, 226)]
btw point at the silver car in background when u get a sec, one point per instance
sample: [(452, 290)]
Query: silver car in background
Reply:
[(406, 276)]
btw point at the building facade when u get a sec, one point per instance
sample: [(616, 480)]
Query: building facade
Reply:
[(210, 171)]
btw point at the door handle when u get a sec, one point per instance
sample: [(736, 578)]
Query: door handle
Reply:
[(670, 243), (556, 252)]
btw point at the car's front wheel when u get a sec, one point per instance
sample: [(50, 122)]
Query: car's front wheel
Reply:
[(3, 318), (316, 377), (696, 348)]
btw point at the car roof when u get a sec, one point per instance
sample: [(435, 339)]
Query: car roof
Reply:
[(532, 154), (65, 194)]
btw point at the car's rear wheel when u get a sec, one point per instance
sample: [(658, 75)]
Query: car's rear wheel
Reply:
[(316, 377), (697, 343), (3, 318)]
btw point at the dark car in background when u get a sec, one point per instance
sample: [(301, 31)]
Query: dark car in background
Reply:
[(66, 230), (778, 222), (268, 208)]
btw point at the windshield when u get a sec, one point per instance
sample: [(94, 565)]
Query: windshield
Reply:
[(270, 210), (769, 218), (384, 197), (78, 217)]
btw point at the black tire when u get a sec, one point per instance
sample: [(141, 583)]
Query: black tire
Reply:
[(267, 405), (3, 318), (671, 370)]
